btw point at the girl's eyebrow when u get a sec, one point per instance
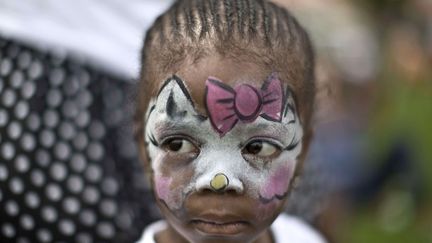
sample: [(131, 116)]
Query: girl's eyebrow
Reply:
[(258, 126), (177, 125), (168, 128), (273, 129), (262, 125)]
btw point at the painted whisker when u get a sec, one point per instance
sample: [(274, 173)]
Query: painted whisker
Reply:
[(275, 197)]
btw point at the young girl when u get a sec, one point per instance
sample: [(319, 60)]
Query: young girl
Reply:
[(224, 121)]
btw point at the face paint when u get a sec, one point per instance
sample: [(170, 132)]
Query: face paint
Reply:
[(172, 104), (162, 187), (219, 182), (277, 185), (250, 150), (227, 106)]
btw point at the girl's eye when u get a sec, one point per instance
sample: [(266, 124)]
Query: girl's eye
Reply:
[(261, 149), (180, 145)]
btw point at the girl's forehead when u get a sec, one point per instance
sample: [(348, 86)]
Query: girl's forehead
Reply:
[(228, 70), (197, 95)]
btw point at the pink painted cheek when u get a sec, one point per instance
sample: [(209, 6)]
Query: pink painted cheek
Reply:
[(172, 197), (268, 210), (162, 185), (273, 191), (277, 184)]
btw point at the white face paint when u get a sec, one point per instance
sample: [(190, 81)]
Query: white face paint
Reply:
[(264, 175)]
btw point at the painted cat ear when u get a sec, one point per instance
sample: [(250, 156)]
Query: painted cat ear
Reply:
[(174, 99), (181, 86), (290, 114)]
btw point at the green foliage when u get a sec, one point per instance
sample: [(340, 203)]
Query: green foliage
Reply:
[(405, 112)]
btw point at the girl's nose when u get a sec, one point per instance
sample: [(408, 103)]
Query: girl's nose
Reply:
[(220, 183)]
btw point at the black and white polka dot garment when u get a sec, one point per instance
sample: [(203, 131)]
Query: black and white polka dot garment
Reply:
[(69, 170)]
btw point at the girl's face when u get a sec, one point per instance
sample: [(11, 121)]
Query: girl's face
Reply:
[(223, 175)]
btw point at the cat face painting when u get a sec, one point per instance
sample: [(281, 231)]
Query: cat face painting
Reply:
[(223, 175)]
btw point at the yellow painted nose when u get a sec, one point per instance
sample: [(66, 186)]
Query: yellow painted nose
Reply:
[(219, 182)]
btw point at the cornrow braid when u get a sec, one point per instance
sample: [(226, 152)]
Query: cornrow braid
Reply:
[(240, 15), (190, 21), (265, 20), (203, 17), (256, 30), (281, 25), (214, 14), (228, 15), (252, 16), (194, 19)]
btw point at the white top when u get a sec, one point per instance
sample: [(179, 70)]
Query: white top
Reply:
[(107, 33), (284, 229)]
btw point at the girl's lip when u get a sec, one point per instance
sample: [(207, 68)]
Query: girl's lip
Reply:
[(219, 227), (221, 215)]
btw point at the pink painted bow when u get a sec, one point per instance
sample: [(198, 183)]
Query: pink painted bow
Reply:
[(226, 106)]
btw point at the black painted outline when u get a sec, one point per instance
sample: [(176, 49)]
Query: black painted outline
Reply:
[(225, 101), (164, 203), (172, 108), (275, 197), (185, 91), (170, 105), (153, 140), (293, 144), (201, 118), (151, 111), (222, 85), (181, 85), (265, 87), (292, 107), (225, 87), (267, 82)]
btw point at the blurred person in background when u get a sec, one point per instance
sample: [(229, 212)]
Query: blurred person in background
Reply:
[(68, 166)]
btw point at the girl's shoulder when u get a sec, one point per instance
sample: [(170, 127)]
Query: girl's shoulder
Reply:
[(288, 228), (151, 230), (285, 229)]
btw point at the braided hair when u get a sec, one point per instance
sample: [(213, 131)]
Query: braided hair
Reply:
[(257, 30)]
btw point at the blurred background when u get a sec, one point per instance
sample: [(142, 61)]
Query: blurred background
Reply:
[(373, 122), (69, 169)]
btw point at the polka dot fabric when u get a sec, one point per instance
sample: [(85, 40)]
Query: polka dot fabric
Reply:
[(69, 170)]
